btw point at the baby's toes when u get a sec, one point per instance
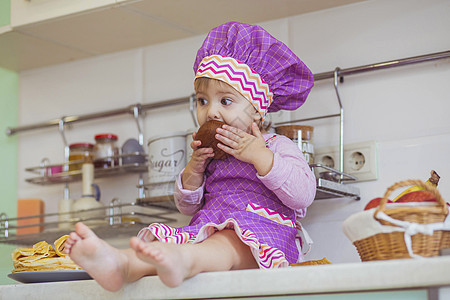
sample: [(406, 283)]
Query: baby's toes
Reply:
[(73, 237), (137, 244), (154, 253)]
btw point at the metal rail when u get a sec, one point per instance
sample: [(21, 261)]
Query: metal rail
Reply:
[(368, 68), (131, 110), (385, 65), (144, 107)]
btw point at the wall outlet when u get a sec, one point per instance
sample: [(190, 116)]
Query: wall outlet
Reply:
[(360, 159), (327, 156)]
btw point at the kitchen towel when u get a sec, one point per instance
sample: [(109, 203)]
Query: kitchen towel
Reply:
[(26, 208)]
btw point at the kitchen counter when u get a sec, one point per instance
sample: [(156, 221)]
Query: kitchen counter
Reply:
[(394, 279)]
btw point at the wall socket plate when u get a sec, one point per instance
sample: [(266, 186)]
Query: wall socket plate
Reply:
[(360, 159)]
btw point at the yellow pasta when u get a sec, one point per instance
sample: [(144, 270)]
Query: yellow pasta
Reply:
[(323, 261), (43, 257)]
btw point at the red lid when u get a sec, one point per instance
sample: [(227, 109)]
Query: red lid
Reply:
[(81, 145), (106, 136)]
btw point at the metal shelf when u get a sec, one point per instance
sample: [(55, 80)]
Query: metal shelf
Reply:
[(333, 186), (121, 220), (327, 189), (72, 176)]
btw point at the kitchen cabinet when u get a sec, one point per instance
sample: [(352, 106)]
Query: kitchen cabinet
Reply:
[(49, 32), (26, 12)]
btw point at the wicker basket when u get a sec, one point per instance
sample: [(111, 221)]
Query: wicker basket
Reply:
[(391, 245)]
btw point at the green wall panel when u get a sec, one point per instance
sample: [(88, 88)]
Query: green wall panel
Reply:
[(5, 14), (9, 100)]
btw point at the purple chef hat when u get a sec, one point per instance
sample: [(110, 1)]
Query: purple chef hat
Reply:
[(237, 53)]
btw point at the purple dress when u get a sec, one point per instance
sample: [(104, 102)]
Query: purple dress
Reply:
[(234, 198)]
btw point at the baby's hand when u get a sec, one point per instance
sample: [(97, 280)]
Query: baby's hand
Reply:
[(246, 147), (200, 156), (193, 173)]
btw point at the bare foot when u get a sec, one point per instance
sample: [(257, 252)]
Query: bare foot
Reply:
[(103, 262), (172, 263)]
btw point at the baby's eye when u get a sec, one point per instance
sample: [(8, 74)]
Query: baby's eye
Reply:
[(201, 101), (225, 101)]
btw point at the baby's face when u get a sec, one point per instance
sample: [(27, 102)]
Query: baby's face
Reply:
[(216, 100)]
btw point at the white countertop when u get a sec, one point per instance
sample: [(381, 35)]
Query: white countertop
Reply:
[(318, 279)]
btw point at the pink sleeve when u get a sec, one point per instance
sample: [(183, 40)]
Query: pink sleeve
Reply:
[(290, 178), (188, 202)]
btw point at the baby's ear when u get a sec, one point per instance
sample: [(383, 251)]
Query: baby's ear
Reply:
[(258, 120), (257, 117)]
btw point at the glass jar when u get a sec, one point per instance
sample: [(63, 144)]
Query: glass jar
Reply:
[(79, 153), (305, 133), (308, 151), (105, 151)]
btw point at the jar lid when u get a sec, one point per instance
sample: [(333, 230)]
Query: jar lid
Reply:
[(291, 131), (106, 136), (81, 145)]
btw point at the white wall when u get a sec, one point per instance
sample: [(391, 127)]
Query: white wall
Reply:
[(403, 109)]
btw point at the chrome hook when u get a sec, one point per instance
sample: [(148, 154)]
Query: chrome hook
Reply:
[(137, 113), (191, 109), (341, 120)]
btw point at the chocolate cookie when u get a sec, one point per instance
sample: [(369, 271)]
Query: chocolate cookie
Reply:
[(206, 134)]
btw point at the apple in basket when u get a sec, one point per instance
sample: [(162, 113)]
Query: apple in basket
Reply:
[(417, 196), (374, 203)]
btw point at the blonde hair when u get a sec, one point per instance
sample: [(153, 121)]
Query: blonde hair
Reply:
[(202, 83)]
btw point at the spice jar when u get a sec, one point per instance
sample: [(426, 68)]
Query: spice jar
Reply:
[(105, 151), (79, 153)]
